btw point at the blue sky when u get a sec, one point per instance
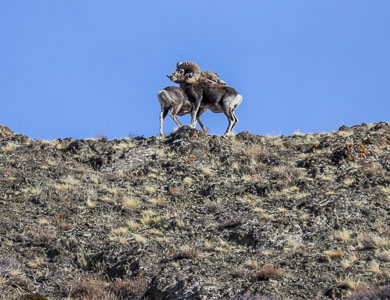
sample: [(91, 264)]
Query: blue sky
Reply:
[(86, 68)]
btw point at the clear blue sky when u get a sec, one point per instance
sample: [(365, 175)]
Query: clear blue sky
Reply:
[(72, 68)]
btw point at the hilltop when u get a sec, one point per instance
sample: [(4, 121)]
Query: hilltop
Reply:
[(196, 216)]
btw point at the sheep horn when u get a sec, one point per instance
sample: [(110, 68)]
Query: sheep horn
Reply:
[(191, 67)]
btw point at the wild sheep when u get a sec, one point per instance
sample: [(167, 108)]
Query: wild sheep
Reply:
[(174, 99), (204, 94)]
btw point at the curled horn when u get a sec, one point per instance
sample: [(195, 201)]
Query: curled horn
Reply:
[(191, 67)]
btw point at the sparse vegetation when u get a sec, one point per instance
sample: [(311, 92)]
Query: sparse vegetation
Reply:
[(192, 215)]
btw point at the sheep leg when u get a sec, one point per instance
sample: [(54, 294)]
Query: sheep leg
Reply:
[(162, 117), (173, 114), (235, 120), (230, 115), (200, 112), (194, 112)]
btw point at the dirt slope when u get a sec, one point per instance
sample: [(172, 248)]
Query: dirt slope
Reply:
[(196, 216)]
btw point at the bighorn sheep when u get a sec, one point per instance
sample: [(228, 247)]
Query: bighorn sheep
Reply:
[(205, 94), (174, 99)]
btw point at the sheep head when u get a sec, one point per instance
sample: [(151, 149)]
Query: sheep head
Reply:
[(188, 72)]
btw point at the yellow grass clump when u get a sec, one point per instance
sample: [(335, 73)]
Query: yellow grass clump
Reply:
[(129, 202)]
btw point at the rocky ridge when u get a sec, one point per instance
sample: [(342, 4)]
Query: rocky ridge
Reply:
[(196, 216)]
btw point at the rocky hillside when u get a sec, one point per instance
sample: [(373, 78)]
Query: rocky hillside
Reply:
[(197, 216)]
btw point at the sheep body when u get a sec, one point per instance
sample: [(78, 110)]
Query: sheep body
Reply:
[(174, 99), (205, 94)]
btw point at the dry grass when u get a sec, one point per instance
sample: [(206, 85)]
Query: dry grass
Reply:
[(266, 252), (383, 255), (235, 166), (113, 191), (221, 250), (3, 281), (35, 191), (374, 267), (108, 199), (349, 181), (149, 190), (10, 147), (326, 178), (208, 245), (304, 217), (154, 231), (63, 187), (180, 223), (139, 238), (252, 264), (90, 203), (386, 190), (133, 225), (346, 263), (15, 272), (295, 245), (344, 133), (375, 241), (258, 210), (120, 231), (152, 175), (355, 284), (70, 180), (121, 174), (94, 179), (246, 178), (208, 172), (297, 133), (334, 254), (43, 221), (223, 243), (130, 203), (187, 181), (150, 217), (282, 210), (161, 152), (61, 146), (344, 235), (123, 145), (156, 201)]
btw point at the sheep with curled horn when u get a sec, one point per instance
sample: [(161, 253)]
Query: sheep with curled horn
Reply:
[(205, 94), (206, 75), (175, 100)]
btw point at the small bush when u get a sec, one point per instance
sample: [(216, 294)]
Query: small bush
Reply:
[(185, 252), (382, 292), (130, 288), (91, 289), (268, 272), (34, 296)]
